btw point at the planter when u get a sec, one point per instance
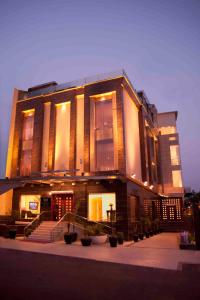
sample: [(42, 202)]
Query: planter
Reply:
[(135, 238), (141, 236), (12, 234), (151, 233), (113, 241), (187, 246), (98, 239), (147, 234), (120, 240), (68, 237), (74, 236), (86, 242)]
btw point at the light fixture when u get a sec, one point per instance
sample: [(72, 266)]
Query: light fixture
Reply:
[(145, 183), (73, 183), (133, 176), (151, 187)]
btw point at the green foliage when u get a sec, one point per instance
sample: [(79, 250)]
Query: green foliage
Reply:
[(94, 230), (120, 235)]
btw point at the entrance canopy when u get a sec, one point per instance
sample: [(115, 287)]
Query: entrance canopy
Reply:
[(5, 187)]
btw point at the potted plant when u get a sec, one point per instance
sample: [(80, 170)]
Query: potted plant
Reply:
[(97, 236), (147, 224), (74, 233), (120, 238), (12, 232), (68, 236), (86, 240), (141, 231), (135, 232), (157, 225), (113, 240)]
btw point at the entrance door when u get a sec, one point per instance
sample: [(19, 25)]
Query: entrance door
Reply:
[(62, 203), (171, 212)]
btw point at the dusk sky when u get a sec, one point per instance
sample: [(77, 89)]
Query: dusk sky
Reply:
[(157, 42)]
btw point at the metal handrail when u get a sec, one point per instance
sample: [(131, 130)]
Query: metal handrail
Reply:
[(30, 225), (72, 218)]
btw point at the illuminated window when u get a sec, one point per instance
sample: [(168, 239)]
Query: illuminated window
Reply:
[(172, 138), (174, 153), (62, 144), (101, 206), (27, 143), (167, 130), (29, 205), (104, 145), (176, 178)]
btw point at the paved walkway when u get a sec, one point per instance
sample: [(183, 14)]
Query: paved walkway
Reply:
[(30, 276), (160, 251)]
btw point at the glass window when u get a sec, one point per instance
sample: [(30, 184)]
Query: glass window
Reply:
[(174, 153), (29, 206), (27, 144), (104, 144), (172, 138), (167, 130), (177, 179), (101, 207)]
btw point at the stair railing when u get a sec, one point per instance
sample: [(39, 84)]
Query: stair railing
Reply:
[(34, 223), (75, 220)]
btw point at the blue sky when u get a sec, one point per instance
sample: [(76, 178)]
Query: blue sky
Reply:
[(157, 42)]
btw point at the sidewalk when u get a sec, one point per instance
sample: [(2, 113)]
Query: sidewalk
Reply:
[(160, 251)]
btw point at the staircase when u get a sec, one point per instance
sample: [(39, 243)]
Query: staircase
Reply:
[(50, 231), (43, 232)]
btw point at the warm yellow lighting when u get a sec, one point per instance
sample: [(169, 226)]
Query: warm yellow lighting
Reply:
[(145, 183), (177, 178), (99, 205), (133, 176), (102, 99), (29, 112), (62, 192), (151, 187), (167, 130)]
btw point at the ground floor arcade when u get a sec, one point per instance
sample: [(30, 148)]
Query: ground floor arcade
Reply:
[(101, 199)]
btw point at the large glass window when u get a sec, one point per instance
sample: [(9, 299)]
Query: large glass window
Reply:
[(29, 206), (101, 206), (104, 145), (177, 179), (27, 143), (174, 153), (167, 130), (62, 142)]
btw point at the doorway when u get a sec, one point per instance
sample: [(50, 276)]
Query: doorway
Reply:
[(61, 204)]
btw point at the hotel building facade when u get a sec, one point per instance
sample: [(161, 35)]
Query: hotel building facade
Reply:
[(95, 147)]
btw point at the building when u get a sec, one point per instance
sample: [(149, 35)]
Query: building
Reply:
[(96, 147)]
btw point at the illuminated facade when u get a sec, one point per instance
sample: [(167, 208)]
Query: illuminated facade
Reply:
[(98, 143)]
